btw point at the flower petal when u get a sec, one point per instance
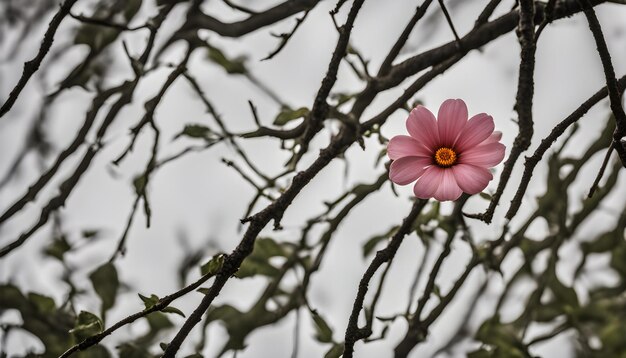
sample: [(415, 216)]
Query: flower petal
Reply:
[(485, 155), (422, 126), (404, 146), (493, 138), (428, 183), (448, 188), (407, 169), (471, 179), (477, 130), (451, 119)]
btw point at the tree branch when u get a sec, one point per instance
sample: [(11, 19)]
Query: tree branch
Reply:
[(32, 66), (353, 332)]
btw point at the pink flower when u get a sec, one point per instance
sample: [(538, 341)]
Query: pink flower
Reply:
[(448, 155)]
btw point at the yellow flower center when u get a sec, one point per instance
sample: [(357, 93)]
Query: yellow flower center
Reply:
[(445, 157)]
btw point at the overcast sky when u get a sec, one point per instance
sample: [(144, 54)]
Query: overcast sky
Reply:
[(202, 199)]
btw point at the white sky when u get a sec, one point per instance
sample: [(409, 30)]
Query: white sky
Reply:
[(204, 199)]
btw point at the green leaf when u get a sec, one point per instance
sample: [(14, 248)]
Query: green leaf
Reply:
[(158, 321), (203, 290), (503, 337), (11, 297), (371, 244), (99, 37), (565, 296), (481, 353), (335, 351), (131, 350), (323, 331), (106, 283), (132, 7), (44, 304), (37, 312), (57, 248), (287, 115), (213, 266), (170, 309), (547, 312), (87, 325), (618, 260), (139, 183), (342, 97), (196, 131), (252, 267), (90, 234), (232, 66), (97, 351), (265, 247), (258, 262), (382, 335), (149, 302)]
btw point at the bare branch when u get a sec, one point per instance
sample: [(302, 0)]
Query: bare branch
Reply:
[(32, 66)]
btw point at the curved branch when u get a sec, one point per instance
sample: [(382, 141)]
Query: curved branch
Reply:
[(200, 20)]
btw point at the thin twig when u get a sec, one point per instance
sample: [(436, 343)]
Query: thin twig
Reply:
[(284, 37), (450, 23)]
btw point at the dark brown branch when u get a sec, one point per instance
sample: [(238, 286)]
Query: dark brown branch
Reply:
[(32, 66), (151, 105), (404, 36), (268, 17), (284, 37), (418, 329), (532, 161), (319, 111), (70, 183), (449, 20), (239, 7), (66, 188), (548, 16), (611, 81), (615, 94), (476, 38), (523, 102), (487, 12), (120, 249), (418, 84), (257, 222), (353, 332), (35, 188), (605, 162)]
